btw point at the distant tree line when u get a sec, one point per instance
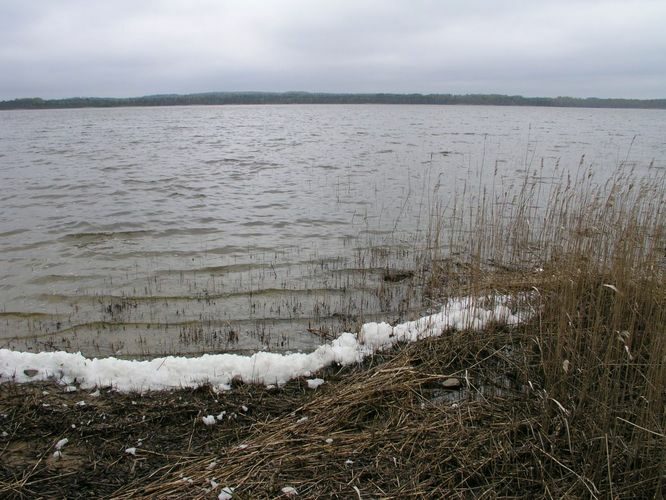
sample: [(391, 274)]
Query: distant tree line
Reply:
[(209, 98)]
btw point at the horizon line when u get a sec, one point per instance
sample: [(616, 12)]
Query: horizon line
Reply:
[(331, 93)]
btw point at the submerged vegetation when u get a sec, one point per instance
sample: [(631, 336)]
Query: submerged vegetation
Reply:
[(571, 403)]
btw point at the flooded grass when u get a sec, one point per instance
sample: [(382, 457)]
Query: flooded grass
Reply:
[(274, 306)]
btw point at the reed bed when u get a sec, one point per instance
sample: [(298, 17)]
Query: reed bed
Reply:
[(571, 403)]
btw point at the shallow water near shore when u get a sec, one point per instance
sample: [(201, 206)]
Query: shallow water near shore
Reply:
[(150, 231)]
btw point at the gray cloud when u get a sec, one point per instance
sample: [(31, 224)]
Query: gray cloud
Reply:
[(62, 48)]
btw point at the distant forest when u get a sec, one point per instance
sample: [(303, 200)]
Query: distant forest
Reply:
[(210, 98)]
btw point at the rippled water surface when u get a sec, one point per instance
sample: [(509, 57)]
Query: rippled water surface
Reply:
[(143, 231)]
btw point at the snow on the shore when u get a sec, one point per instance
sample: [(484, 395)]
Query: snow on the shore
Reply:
[(265, 368), (208, 420), (226, 493), (289, 491), (313, 383), (61, 443)]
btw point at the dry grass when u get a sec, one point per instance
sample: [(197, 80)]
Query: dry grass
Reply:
[(394, 430)]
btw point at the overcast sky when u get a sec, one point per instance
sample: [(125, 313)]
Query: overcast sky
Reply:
[(65, 48)]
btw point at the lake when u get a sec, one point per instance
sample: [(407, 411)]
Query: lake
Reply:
[(148, 231)]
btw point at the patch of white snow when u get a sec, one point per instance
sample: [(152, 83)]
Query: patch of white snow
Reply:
[(226, 493), (313, 383)]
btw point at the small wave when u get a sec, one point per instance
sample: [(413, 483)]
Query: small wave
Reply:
[(24, 247), (25, 315), (140, 182), (257, 223), (53, 196), (201, 296), (270, 205), (185, 254), (223, 269), (62, 278), (90, 237), (319, 222), (38, 187), (187, 232), (13, 232), (375, 232)]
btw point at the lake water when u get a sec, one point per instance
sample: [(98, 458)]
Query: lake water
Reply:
[(144, 231)]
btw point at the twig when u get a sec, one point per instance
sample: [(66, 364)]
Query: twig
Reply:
[(642, 428)]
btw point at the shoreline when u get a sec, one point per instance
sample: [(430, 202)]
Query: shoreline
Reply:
[(261, 368), (568, 403)]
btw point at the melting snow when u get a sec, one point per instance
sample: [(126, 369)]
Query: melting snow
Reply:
[(61, 443), (226, 493), (265, 368), (208, 420), (290, 491), (313, 383)]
